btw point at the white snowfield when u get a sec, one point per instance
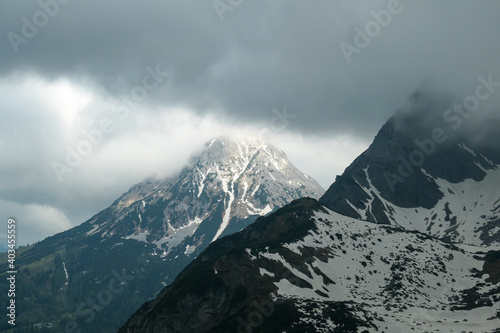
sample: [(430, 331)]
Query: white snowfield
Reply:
[(398, 281)]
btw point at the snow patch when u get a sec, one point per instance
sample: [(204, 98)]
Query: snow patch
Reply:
[(263, 271)]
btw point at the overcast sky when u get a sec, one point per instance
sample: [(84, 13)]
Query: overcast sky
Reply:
[(159, 78)]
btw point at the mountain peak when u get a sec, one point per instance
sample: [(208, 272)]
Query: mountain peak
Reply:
[(223, 188), (228, 140), (422, 174), (252, 173), (224, 147)]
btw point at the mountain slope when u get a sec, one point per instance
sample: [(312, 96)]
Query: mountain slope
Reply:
[(421, 174), (138, 245), (306, 268)]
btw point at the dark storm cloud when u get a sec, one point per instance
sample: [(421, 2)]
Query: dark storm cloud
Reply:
[(262, 54)]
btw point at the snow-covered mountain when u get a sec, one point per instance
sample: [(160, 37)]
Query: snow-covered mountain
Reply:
[(221, 191), (306, 268), (149, 234), (447, 188)]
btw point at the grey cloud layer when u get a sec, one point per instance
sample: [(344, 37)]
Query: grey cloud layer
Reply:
[(263, 54)]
